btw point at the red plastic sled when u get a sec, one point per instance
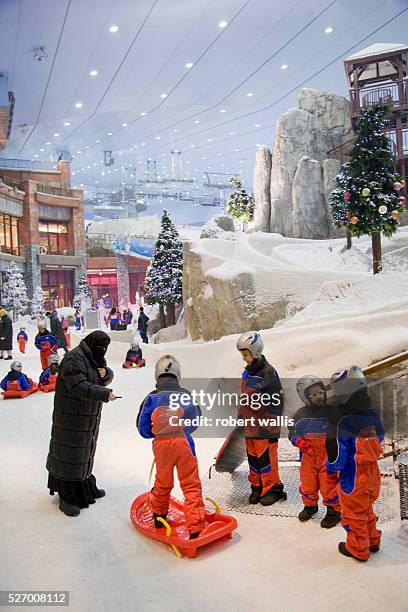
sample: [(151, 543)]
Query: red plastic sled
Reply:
[(15, 394), (217, 526), (232, 453), (47, 388)]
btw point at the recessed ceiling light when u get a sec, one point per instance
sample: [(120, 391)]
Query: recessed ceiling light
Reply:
[(157, 137), (114, 28), (236, 150), (250, 94), (67, 124), (124, 124), (192, 146), (87, 147), (196, 121), (257, 125), (223, 110), (219, 154), (109, 134), (284, 66), (210, 140), (203, 158), (189, 65), (120, 153), (231, 133), (78, 105), (143, 144), (56, 134), (41, 150), (79, 152), (175, 131), (223, 24), (328, 30), (96, 141), (163, 95), (93, 73), (47, 143)]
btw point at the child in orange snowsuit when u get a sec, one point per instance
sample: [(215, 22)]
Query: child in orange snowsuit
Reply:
[(353, 451), (22, 339), (161, 417), (308, 434)]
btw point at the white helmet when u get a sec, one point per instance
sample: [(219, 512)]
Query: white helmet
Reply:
[(22, 328), (17, 366), (41, 324), (346, 382), (134, 344), (168, 365), (304, 384), (251, 341), (53, 359)]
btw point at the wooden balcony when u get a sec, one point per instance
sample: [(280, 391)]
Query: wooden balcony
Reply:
[(394, 95)]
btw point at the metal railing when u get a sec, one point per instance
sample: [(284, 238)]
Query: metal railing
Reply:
[(57, 191), (394, 95), (44, 250), (26, 164), (10, 183)]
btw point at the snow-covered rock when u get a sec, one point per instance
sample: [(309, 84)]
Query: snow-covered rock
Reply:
[(262, 181), (309, 214), (170, 334), (220, 226)]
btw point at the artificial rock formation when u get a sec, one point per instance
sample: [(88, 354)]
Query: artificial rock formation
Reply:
[(301, 174)]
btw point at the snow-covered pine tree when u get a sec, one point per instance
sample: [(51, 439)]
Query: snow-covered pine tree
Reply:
[(14, 293), (163, 284), (240, 205), (367, 200), (37, 304), (83, 300)]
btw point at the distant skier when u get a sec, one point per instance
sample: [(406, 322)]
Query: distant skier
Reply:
[(173, 446), (308, 434), (22, 339), (142, 325), (354, 450), (260, 379)]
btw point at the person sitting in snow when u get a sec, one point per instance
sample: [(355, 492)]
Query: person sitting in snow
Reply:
[(173, 446), (49, 375), (261, 381), (134, 356), (22, 339), (46, 343), (16, 380), (308, 434), (353, 448)]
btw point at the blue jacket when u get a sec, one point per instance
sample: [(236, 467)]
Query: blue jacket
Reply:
[(42, 338), (22, 334), (359, 434), (309, 421), (16, 377), (160, 399)]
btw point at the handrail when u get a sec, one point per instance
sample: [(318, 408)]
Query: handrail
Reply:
[(385, 363), (58, 191), (26, 164)]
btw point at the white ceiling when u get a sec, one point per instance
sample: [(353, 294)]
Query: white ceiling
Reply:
[(147, 56)]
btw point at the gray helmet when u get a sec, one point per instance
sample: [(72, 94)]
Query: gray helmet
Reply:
[(17, 366), (134, 344), (167, 365), (252, 342), (346, 382), (53, 359), (304, 384)]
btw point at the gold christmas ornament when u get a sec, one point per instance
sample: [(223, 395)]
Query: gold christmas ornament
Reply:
[(394, 214), (365, 192), (354, 220)]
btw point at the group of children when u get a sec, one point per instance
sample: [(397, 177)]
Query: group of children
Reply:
[(339, 443)]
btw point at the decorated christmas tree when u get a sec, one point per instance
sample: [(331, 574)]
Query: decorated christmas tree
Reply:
[(163, 284), (368, 199), (14, 292), (240, 205), (83, 298), (37, 304)]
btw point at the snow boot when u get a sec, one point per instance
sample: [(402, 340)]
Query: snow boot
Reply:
[(343, 550), (194, 535), (68, 509), (274, 495), (307, 513), (255, 496), (9, 357), (158, 524), (375, 548), (331, 519), (100, 493)]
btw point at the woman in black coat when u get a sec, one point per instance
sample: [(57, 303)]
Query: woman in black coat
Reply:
[(56, 329), (80, 391), (6, 334)]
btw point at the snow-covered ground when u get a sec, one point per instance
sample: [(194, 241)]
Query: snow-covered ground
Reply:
[(271, 563)]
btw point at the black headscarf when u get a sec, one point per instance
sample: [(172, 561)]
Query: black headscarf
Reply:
[(98, 343)]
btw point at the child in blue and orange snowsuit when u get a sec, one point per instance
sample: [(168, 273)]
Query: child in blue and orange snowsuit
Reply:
[(46, 343), (22, 339), (134, 356), (16, 380), (49, 376), (308, 434), (161, 417), (353, 451), (261, 400)]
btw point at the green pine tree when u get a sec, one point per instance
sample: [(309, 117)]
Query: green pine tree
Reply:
[(367, 200), (240, 205)]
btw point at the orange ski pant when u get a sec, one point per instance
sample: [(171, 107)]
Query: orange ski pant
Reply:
[(21, 345), (313, 477), (170, 453), (357, 514), (263, 464), (44, 357)]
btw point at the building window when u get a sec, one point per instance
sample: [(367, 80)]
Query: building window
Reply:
[(57, 286), (9, 242), (104, 286), (53, 238)]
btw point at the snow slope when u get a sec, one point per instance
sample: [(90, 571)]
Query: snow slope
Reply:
[(271, 563)]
